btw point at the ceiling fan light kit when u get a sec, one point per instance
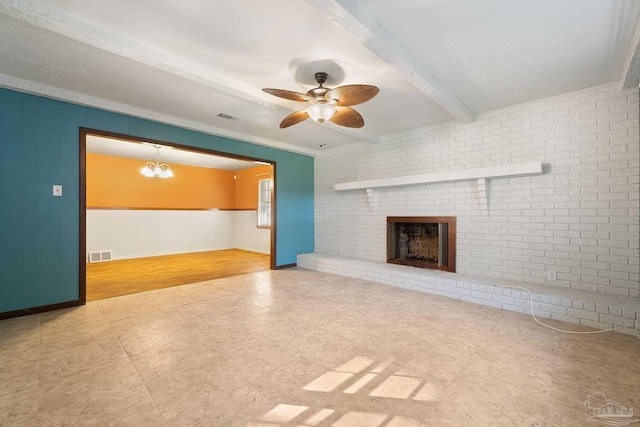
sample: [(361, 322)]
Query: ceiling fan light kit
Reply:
[(321, 112), (327, 104)]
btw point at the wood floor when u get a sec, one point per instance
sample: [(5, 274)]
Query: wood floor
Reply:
[(130, 276)]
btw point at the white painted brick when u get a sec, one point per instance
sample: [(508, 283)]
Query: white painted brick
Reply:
[(588, 142), (630, 313), (617, 321), (595, 325), (615, 310), (582, 314), (503, 300), (554, 309)]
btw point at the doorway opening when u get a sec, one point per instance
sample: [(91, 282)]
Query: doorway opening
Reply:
[(155, 214)]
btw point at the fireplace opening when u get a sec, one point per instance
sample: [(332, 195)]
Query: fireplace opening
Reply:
[(425, 242)]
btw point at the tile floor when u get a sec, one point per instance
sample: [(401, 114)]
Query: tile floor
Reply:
[(302, 348)]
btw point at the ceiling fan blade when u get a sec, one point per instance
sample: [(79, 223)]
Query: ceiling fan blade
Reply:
[(294, 118), (345, 96), (348, 117), (287, 94)]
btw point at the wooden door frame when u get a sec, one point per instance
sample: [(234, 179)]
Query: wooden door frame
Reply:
[(83, 192)]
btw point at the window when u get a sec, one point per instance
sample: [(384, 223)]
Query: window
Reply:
[(264, 202)]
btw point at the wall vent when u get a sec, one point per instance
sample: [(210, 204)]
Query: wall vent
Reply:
[(100, 256)]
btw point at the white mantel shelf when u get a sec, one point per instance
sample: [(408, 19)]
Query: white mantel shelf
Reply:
[(480, 174)]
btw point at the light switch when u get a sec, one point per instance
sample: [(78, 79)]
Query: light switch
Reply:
[(57, 190)]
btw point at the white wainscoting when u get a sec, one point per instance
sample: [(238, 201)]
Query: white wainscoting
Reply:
[(142, 233), (248, 236)]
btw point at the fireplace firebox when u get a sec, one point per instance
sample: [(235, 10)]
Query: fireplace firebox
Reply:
[(425, 242)]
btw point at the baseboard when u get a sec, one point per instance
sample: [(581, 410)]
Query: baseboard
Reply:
[(120, 258), (40, 309), (259, 251), (282, 267)]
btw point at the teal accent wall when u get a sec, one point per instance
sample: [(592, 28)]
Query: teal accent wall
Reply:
[(39, 233)]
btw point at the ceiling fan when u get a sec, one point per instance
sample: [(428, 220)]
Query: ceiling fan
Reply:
[(328, 104)]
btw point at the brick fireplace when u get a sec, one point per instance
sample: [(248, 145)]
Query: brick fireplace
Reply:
[(424, 242)]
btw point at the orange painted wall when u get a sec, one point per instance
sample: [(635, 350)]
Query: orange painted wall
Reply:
[(116, 182), (247, 186)]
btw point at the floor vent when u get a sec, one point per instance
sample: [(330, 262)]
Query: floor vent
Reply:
[(99, 256)]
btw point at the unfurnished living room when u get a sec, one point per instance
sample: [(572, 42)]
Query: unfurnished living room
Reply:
[(338, 213)]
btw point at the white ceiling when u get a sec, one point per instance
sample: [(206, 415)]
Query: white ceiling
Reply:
[(433, 60), (147, 152)]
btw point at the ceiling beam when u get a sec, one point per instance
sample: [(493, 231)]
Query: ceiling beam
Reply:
[(27, 86), (631, 70), (48, 18), (352, 18)]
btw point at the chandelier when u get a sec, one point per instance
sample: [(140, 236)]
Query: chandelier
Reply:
[(157, 169)]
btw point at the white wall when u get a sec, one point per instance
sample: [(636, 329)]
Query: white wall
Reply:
[(141, 233), (249, 237), (579, 219)]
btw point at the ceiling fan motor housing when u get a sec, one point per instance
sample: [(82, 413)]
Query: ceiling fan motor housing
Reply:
[(319, 92), (321, 77)]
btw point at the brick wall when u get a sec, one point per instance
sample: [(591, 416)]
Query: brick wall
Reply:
[(580, 219)]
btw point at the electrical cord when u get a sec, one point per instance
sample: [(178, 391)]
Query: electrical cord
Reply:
[(599, 331)]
